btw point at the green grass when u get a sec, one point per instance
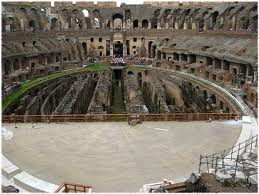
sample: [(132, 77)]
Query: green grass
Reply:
[(26, 87), (130, 67)]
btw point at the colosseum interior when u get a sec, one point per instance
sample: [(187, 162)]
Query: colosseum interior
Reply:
[(129, 69)]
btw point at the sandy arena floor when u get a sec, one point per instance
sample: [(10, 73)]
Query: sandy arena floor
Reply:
[(115, 157)]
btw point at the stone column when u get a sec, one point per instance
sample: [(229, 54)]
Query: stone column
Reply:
[(158, 24), (111, 49), (193, 26), (176, 26), (149, 24), (124, 24), (185, 26), (189, 58), (124, 49), (111, 24)]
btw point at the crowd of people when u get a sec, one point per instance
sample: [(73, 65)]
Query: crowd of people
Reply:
[(118, 61)]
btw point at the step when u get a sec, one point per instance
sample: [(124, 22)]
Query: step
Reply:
[(9, 169), (32, 184)]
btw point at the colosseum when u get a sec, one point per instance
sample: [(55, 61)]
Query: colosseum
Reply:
[(150, 97)]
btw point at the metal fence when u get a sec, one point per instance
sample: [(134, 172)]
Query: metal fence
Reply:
[(119, 117), (231, 161)]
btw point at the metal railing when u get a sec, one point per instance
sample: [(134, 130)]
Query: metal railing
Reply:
[(74, 188), (231, 160), (119, 117)]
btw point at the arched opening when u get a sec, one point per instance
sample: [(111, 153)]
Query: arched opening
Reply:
[(209, 61), (221, 106), (78, 23), (97, 23), (33, 10), (176, 56), (4, 23), (205, 95), (139, 79), (117, 20), (144, 24), (159, 55), (23, 10), (84, 45), (184, 57), (135, 24), (100, 50), (130, 73), (75, 12), (10, 21), (86, 13), (213, 99), (134, 50), (32, 25), (117, 23), (149, 48), (118, 49), (154, 23), (53, 24), (214, 16)]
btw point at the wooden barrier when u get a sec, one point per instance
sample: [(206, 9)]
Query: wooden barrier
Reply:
[(118, 117), (74, 188)]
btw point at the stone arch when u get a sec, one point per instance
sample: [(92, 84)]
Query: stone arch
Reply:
[(135, 23), (22, 9), (75, 11), (97, 23), (130, 73), (54, 22), (134, 50), (154, 23), (144, 24), (117, 20), (4, 23), (32, 25), (157, 12), (221, 105), (100, 50), (205, 95), (213, 99), (33, 10), (159, 55), (84, 45), (79, 23), (85, 13)]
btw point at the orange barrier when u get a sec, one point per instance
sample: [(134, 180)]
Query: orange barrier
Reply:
[(119, 117), (74, 188)]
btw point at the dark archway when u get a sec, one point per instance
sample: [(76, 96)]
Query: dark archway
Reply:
[(118, 49), (84, 47), (53, 24), (139, 79), (32, 25), (144, 24), (135, 24)]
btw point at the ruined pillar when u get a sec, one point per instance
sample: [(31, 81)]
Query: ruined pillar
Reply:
[(176, 26), (149, 24), (124, 24), (158, 24), (124, 49), (111, 49), (185, 26)]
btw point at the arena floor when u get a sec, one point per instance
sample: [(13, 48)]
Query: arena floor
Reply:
[(116, 157)]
